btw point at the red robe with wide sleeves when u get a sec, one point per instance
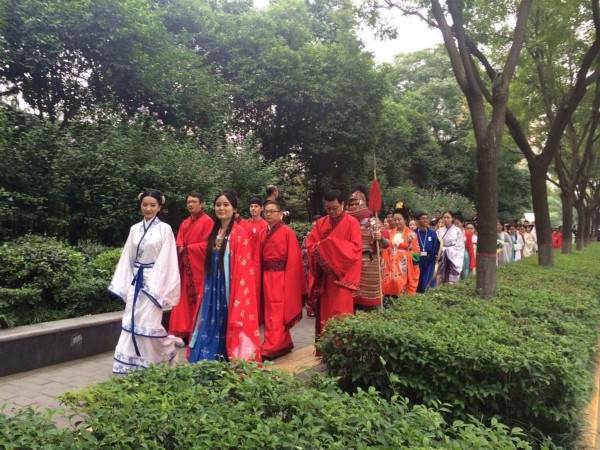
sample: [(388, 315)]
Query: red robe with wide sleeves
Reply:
[(192, 237), (283, 286), (243, 339), (254, 229), (334, 249)]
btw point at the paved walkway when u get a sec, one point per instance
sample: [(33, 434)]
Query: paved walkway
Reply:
[(39, 388)]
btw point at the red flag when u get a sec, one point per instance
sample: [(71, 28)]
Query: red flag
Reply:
[(374, 197)]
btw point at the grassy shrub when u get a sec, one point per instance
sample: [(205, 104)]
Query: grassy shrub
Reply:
[(91, 249), (220, 405), (104, 264), (525, 356), (301, 229), (40, 263), (29, 429), (15, 303), (88, 296), (47, 280)]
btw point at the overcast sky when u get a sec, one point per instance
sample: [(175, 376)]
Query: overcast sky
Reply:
[(413, 35)]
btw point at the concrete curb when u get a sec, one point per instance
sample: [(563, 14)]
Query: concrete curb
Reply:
[(33, 346)]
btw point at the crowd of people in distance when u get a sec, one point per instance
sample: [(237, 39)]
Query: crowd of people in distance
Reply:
[(226, 276)]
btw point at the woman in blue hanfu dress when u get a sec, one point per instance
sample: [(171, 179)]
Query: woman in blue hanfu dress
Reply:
[(226, 324), (146, 279)]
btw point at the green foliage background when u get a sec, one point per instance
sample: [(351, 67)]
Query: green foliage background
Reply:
[(121, 96)]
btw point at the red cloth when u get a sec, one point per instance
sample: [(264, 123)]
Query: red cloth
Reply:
[(254, 228), (282, 286), (334, 249), (470, 249), (557, 239), (191, 237), (243, 340)]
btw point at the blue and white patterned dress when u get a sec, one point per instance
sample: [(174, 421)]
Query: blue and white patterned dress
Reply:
[(146, 279), (208, 331)]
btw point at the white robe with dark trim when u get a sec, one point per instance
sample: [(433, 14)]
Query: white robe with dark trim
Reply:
[(154, 254), (453, 254)]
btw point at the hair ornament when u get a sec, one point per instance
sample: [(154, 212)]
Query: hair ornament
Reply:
[(150, 193), (400, 205)]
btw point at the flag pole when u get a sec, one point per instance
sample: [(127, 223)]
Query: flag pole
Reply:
[(374, 207)]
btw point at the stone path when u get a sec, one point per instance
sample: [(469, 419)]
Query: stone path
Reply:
[(39, 388)]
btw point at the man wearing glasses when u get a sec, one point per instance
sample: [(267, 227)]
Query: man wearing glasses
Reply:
[(283, 283), (334, 250)]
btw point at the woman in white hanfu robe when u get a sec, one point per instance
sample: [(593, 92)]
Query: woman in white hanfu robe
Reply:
[(453, 251), (146, 279)]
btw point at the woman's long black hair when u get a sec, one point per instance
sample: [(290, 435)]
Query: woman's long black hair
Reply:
[(232, 197)]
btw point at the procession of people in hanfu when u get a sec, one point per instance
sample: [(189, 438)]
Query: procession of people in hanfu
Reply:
[(226, 278)]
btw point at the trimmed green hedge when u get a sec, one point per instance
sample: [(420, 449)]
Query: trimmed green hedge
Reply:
[(525, 356), (44, 279), (220, 405)]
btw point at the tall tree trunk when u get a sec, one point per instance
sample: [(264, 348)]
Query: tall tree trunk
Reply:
[(567, 216), (543, 228), (582, 229), (487, 216)]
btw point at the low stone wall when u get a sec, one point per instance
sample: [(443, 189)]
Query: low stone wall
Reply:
[(33, 346)]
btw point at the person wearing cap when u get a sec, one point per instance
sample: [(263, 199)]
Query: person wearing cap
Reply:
[(283, 285), (254, 225), (429, 245), (192, 237)]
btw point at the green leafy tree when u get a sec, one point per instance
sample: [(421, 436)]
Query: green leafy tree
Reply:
[(552, 96), (300, 82), (65, 58)]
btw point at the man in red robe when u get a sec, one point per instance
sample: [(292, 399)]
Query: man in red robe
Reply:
[(191, 248), (254, 226), (334, 249), (283, 283)]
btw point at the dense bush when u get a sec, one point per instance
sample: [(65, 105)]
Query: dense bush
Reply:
[(301, 229), (103, 265), (29, 429), (44, 279), (220, 405), (81, 182), (39, 263), (15, 303), (525, 356)]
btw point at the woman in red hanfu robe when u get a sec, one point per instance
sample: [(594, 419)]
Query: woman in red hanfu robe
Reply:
[(191, 250), (334, 249), (283, 283)]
